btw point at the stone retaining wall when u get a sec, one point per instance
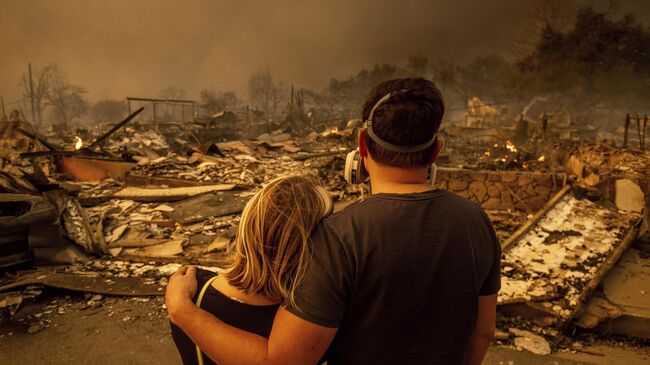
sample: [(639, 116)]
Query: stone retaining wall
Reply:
[(501, 190)]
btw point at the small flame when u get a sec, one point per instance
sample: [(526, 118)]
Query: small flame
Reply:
[(487, 153), (330, 131), (496, 145), (78, 142), (511, 147), (541, 159)]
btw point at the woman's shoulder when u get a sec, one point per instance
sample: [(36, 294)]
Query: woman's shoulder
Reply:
[(202, 277)]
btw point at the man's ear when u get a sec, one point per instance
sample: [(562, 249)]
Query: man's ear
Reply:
[(361, 141), (436, 150)]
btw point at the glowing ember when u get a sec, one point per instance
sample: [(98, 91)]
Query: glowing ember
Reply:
[(496, 145), (329, 131), (511, 147), (487, 153), (78, 142), (541, 159)]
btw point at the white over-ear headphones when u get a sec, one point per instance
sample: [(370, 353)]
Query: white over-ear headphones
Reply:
[(355, 172)]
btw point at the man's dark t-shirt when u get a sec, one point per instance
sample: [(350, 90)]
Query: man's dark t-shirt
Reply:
[(400, 276)]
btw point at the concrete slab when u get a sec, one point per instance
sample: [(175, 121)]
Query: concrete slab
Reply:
[(623, 305), (627, 286)]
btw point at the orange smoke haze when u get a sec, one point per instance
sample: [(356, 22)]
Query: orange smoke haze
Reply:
[(136, 48)]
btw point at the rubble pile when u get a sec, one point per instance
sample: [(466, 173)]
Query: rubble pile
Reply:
[(600, 159), (146, 229), (189, 205), (147, 144), (496, 152), (152, 271), (506, 222), (13, 169), (598, 167)]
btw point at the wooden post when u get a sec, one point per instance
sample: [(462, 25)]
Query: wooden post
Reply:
[(154, 112), (128, 102), (627, 128), (183, 113), (31, 92), (2, 105), (645, 123), (638, 128)]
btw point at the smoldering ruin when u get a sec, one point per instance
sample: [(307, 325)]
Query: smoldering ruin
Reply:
[(102, 198)]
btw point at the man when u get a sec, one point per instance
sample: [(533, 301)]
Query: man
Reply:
[(408, 276)]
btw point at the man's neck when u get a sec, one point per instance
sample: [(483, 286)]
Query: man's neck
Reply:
[(399, 188), (396, 180), (399, 181)]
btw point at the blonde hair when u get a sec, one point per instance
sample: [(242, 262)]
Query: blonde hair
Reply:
[(271, 250)]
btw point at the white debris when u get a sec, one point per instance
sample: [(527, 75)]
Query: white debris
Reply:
[(164, 208), (561, 253), (531, 342), (117, 233)]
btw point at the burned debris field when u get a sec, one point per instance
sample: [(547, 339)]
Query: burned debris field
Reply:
[(109, 185)]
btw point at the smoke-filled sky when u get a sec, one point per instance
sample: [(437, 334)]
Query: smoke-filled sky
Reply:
[(138, 47)]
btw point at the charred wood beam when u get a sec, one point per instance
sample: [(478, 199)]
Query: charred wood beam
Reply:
[(303, 157), (145, 180), (536, 218), (178, 101), (83, 152), (45, 143), (130, 286), (119, 125)]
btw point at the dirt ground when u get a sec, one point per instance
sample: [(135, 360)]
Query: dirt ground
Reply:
[(119, 331), (77, 329)]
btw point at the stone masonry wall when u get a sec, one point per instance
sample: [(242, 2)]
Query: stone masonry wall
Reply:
[(501, 190)]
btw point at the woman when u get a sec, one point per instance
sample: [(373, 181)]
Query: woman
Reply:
[(266, 263)]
